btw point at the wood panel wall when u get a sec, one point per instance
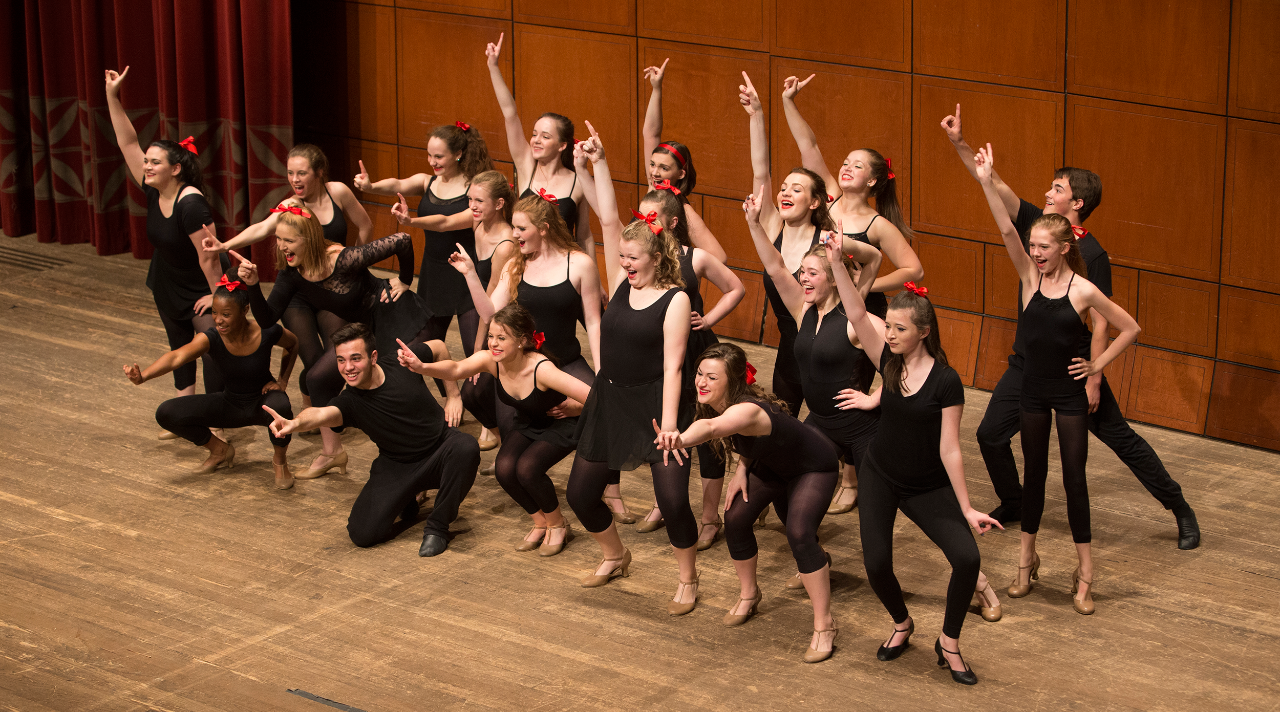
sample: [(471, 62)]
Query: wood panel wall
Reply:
[(1181, 120)]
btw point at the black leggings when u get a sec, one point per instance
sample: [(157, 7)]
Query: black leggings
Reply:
[(313, 330), (180, 332), (521, 469), (938, 515), (1073, 444), (438, 328), (192, 416), (588, 479), (806, 500)]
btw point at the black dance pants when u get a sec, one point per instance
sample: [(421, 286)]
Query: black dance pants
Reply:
[(804, 498), (192, 416)]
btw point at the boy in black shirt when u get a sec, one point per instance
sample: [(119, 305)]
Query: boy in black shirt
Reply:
[(1074, 194), (416, 449)]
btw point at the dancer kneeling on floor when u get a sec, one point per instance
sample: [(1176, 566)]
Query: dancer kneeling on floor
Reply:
[(242, 353), (914, 464), (780, 461), (536, 440), (416, 449)]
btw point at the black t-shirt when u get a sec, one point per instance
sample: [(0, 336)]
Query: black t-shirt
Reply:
[(906, 448), (401, 416), (1096, 262), (175, 277)]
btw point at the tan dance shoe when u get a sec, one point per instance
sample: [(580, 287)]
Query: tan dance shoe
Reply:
[(623, 517), (228, 459), (989, 613), (647, 525), (529, 545), (813, 655), (620, 568), (488, 441), (836, 507), (1018, 590), (284, 478), (338, 462), (1083, 606), (707, 543), (732, 619), (679, 609), (549, 549)]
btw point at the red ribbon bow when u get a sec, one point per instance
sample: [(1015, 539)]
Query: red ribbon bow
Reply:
[(231, 286), (292, 209), (751, 374), (538, 339), (674, 152), (1079, 231), (651, 219), (918, 291), (888, 164), (462, 125), (189, 143), (666, 185), (542, 193)]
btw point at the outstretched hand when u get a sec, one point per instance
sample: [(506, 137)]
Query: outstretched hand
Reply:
[(984, 164), (114, 79), (407, 357), (361, 181), (134, 374), (655, 74), (792, 86), (491, 51), (748, 96), (751, 206), (669, 442), (951, 125), (210, 241), (247, 271), (400, 210), (280, 427), (981, 522)]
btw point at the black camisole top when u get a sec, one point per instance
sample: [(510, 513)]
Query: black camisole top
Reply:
[(555, 310), (564, 204), (336, 229)]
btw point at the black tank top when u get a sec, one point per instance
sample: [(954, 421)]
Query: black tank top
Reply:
[(534, 406), (790, 450), (692, 285), (828, 362), (439, 245), (336, 229), (1052, 331), (564, 204), (484, 268), (877, 302), (786, 324), (555, 310), (631, 340), (245, 375)]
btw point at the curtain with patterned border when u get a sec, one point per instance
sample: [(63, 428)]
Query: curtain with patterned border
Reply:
[(218, 70)]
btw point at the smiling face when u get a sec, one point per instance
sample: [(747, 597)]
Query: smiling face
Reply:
[(901, 334), (442, 160), (157, 171), (1046, 252), (483, 206), (639, 264), (813, 278), (712, 382), (303, 179), (664, 166), (528, 237), (228, 315), (1058, 199), (545, 143), (502, 346), (855, 172), (289, 243), (356, 363), (796, 199)]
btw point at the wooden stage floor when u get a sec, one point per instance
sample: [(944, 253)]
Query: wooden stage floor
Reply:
[(126, 584)]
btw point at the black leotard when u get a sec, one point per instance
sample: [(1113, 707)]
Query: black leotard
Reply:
[(484, 268), (245, 375), (531, 413), (564, 204), (1052, 331), (828, 363), (555, 310), (175, 277), (877, 302), (442, 287), (631, 340), (336, 229), (790, 450)]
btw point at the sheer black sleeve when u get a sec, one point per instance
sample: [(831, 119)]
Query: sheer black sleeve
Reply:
[(358, 257)]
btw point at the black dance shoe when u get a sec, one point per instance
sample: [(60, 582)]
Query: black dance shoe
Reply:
[(886, 653), (1007, 512), (965, 677), (432, 544), (1188, 528)]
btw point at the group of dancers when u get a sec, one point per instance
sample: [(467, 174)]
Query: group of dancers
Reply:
[(514, 264)]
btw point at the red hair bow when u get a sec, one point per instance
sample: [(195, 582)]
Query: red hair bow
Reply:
[(462, 125), (292, 209), (888, 164), (542, 193), (673, 151), (751, 374), (231, 286), (918, 291), (1079, 231), (538, 340), (189, 143), (651, 219), (666, 185)]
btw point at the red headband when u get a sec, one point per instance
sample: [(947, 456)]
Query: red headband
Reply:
[(751, 374), (542, 193), (462, 125), (651, 219), (189, 143), (918, 291), (538, 339), (888, 163), (674, 152), (292, 209), (666, 185), (1079, 231), (231, 286)]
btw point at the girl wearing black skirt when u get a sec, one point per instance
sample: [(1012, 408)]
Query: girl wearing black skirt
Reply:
[(642, 345), (242, 350), (782, 461), (1053, 329)]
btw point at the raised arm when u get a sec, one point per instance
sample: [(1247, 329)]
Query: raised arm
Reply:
[(126, 135), (726, 281), (255, 233), (309, 419), (430, 223), (363, 256), (951, 125), (605, 205), (443, 368), (868, 327), (761, 174), (701, 236), (984, 164), (487, 303), (415, 184), (198, 347), (516, 140), (789, 289), (867, 256), (806, 140), (652, 130)]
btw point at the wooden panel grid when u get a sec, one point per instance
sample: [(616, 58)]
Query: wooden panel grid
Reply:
[(1170, 389), (1026, 47), (1179, 314)]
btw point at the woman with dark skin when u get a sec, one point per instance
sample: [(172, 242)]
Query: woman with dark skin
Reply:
[(182, 277), (243, 351)]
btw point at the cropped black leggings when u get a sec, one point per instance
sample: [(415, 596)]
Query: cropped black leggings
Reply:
[(192, 416), (938, 515), (805, 499), (320, 378), (1073, 444), (588, 479), (521, 469), (180, 332)]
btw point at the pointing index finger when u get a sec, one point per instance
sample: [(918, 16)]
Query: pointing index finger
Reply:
[(239, 256)]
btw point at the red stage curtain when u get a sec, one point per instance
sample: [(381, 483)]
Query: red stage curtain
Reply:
[(218, 70)]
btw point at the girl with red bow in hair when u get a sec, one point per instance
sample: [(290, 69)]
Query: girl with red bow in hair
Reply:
[(1052, 330), (182, 277), (914, 464), (241, 349), (780, 461), (536, 440)]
